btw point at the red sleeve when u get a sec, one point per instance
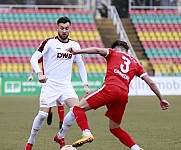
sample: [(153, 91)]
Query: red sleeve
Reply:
[(42, 45), (140, 70), (109, 54)]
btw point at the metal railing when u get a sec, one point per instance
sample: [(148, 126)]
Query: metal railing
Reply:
[(155, 7), (48, 6), (119, 28), (132, 6)]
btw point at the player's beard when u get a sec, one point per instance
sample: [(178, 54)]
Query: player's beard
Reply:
[(63, 37)]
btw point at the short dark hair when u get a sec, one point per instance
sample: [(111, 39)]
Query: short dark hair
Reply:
[(120, 43), (63, 20)]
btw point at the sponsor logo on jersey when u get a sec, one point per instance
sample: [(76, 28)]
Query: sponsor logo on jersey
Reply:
[(64, 55)]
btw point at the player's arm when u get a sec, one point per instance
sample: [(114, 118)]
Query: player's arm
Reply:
[(82, 72), (34, 63), (90, 50), (30, 78), (163, 103), (31, 75)]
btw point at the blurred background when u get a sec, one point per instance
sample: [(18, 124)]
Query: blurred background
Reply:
[(152, 29)]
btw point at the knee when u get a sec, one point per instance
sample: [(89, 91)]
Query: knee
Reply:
[(43, 115), (71, 112), (113, 125)]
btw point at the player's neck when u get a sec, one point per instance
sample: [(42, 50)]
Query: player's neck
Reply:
[(63, 40)]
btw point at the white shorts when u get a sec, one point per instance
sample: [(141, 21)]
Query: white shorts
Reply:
[(52, 92)]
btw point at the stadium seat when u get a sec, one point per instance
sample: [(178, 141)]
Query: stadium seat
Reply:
[(159, 33), (23, 30)]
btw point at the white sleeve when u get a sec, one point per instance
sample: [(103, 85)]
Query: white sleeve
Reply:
[(82, 69), (34, 61)]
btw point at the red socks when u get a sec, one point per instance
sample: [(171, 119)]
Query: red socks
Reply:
[(123, 136), (81, 118), (61, 112)]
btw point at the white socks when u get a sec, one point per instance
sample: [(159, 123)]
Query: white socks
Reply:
[(37, 124), (135, 147), (69, 119), (86, 132)]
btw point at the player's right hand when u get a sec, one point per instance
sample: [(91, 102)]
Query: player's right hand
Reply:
[(30, 78), (71, 50), (42, 78), (164, 104)]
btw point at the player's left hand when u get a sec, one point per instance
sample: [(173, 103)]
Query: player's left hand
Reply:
[(86, 89), (164, 104)]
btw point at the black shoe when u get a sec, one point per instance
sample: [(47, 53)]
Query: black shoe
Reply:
[(60, 125), (49, 119)]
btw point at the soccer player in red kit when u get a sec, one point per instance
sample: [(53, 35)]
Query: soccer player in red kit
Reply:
[(121, 68), (60, 108)]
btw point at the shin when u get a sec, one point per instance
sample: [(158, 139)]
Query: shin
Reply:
[(123, 137), (81, 118), (67, 123), (37, 125)]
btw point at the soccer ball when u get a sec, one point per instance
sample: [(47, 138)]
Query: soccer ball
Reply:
[(68, 147)]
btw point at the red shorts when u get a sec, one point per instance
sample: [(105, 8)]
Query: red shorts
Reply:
[(114, 97)]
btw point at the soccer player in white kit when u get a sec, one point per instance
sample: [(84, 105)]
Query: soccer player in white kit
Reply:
[(60, 108), (57, 64)]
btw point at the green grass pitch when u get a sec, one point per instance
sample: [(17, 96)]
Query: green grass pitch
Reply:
[(151, 127)]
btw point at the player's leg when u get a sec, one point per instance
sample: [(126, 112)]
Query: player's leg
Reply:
[(60, 110), (75, 112), (50, 115), (70, 98), (37, 125), (67, 122), (47, 100), (92, 100), (81, 119), (115, 114), (123, 136)]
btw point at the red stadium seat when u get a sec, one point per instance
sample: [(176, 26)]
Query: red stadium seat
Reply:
[(177, 60), (145, 45), (2, 59), (151, 11), (87, 60)]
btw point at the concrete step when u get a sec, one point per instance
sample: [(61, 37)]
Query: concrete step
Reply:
[(108, 34), (107, 31)]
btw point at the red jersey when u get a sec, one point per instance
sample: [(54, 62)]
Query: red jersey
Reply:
[(121, 68)]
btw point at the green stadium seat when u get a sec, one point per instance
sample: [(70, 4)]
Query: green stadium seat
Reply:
[(159, 33)]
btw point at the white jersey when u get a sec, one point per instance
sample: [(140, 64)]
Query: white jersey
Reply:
[(57, 61)]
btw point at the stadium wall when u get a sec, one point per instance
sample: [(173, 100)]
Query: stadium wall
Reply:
[(21, 87), (167, 86)]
